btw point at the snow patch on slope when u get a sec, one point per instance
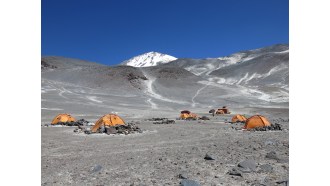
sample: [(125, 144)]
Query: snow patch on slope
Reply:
[(208, 68), (197, 93), (247, 77), (149, 59), (150, 91)]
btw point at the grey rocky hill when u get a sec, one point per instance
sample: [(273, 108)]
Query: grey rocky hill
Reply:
[(245, 79)]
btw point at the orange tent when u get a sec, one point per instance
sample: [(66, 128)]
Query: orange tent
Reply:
[(223, 110), (63, 118), (238, 118), (108, 120), (185, 114), (220, 111), (256, 121)]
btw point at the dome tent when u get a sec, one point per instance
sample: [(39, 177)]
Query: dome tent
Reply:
[(238, 118), (186, 114), (108, 120), (256, 121), (223, 110), (63, 118)]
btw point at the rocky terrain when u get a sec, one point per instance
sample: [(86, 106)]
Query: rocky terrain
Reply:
[(165, 154), (247, 82)]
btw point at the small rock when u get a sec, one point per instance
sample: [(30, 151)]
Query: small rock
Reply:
[(183, 176), (110, 130), (285, 182), (96, 168), (248, 166), (270, 142), (272, 155), (102, 129), (186, 182), (204, 118), (282, 161), (90, 124), (235, 172), (208, 157), (266, 168)]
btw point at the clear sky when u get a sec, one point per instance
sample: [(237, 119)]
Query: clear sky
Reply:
[(110, 31)]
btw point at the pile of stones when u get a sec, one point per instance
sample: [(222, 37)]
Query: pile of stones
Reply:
[(156, 119), (275, 126), (81, 122), (237, 122), (162, 121), (188, 118), (280, 120), (45, 65), (129, 128), (204, 118)]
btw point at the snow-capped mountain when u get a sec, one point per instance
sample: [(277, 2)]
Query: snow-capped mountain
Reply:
[(149, 59)]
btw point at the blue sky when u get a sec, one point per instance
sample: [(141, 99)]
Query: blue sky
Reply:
[(110, 31)]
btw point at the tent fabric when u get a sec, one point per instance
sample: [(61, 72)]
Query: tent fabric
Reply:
[(238, 118), (223, 111), (220, 111), (63, 118), (187, 114), (108, 120), (256, 121)]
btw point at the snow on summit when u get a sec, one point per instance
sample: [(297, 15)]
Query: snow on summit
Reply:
[(149, 59)]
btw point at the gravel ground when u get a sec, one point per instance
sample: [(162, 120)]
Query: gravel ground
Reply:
[(165, 154)]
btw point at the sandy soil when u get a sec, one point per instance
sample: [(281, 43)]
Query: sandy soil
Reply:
[(163, 152)]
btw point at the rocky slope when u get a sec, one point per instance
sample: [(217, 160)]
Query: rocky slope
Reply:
[(255, 78)]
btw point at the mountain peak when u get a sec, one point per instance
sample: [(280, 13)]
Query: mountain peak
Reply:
[(149, 59)]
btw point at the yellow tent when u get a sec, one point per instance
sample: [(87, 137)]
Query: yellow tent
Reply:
[(223, 110), (63, 118), (108, 120), (185, 114), (238, 118), (256, 121)]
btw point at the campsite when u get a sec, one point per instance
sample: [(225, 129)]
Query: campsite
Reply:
[(210, 152), (214, 115), (167, 124)]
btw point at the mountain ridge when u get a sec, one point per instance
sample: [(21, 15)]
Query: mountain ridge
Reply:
[(250, 78)]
